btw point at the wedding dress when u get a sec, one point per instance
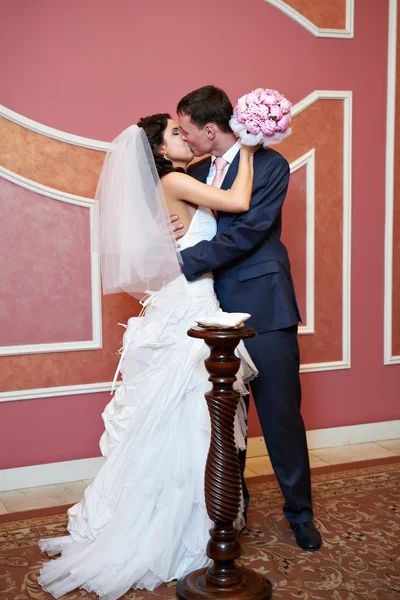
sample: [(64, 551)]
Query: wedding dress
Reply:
[(143, 520)]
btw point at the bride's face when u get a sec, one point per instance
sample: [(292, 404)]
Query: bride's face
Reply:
[(176, 148)]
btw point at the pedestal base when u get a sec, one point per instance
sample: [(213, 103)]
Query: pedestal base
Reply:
[(252, 587)]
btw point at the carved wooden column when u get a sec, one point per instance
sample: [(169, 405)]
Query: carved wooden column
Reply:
[(223, 579)]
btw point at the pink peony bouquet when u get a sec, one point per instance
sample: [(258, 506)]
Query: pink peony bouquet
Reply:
[(261, 117)]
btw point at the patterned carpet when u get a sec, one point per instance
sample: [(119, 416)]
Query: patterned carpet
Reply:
[(357, 509)]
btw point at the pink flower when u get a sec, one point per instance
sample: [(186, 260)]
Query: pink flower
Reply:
[(252, 98), (261, 111), (275, 111), (268, 98), (285, 105), (241, 113), (252, 126), (268, 127), (283, 123)]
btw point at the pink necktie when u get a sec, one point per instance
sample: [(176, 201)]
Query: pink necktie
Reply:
[(220, 164)]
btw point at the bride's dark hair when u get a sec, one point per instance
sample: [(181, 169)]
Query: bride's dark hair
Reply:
[(154, 127)]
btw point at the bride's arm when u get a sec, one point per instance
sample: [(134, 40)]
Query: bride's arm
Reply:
[(237, 199)]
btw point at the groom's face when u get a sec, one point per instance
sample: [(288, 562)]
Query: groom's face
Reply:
[(197, 139)]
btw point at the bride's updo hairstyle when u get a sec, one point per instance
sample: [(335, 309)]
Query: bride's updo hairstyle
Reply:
[(154, 127)]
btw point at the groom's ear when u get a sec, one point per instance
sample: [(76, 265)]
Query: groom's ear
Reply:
[(211, 130)]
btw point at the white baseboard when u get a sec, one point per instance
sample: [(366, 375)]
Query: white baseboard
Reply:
[(87, 468), (336, 436), (61, 472)]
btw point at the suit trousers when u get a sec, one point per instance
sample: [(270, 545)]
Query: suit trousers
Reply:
[(277, 396)]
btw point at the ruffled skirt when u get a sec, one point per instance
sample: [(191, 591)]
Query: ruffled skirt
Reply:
[(143, 520)]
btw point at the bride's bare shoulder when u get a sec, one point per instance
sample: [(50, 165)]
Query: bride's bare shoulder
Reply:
[(176, 182), (173, 177)]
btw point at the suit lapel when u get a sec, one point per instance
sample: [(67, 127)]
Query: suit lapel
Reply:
[(227, 183), (200, 173), (231, 173)]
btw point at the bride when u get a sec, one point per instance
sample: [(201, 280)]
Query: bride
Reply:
[(143, 520)]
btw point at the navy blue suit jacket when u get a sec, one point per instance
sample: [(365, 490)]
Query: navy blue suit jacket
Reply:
[(250, 263)]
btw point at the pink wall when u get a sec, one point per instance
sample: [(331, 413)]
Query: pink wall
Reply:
[(46, 248), (92, 68)]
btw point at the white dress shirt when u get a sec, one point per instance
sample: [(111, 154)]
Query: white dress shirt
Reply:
[(228, 156)]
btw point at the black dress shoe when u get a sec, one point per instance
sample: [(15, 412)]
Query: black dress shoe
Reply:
[(307, 535)]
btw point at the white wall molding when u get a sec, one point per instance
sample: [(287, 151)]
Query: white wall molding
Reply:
[(389, 358), (308, 161), (346, 33), (333, 365), (77, 470), (55, 134), (96, 342), (346, 97), (44, 190), (53, 392), (336, 436)]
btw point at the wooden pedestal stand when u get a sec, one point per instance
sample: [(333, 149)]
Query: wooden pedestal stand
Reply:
[(223, 579)]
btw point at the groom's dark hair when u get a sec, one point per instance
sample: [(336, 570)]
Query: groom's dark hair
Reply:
[(207, 104)]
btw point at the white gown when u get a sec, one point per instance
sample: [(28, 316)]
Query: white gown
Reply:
[(143, 520)]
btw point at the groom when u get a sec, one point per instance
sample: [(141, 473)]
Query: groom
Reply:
[(252, 274)]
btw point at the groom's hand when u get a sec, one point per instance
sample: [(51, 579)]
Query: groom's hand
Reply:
[(177, 228)]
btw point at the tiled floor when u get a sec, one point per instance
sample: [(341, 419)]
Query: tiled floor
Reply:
[(67, 493), (353, 453), (39, 497), (331, 456)]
